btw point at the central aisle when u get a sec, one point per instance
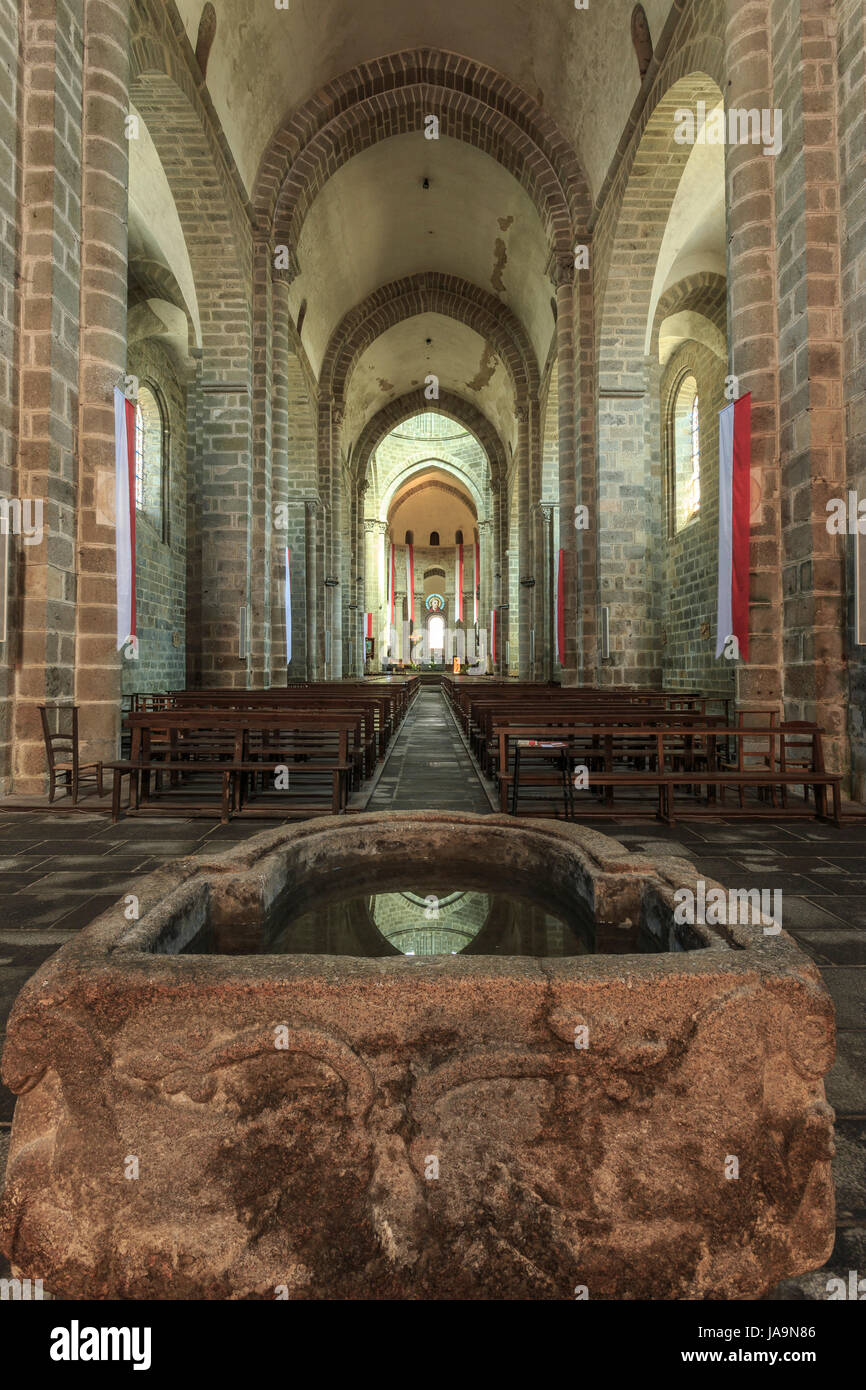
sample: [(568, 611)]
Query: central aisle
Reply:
[(429, 768)]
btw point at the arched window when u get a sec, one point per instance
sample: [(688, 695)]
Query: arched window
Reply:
[(686, 440), (149, 459), (436, 633), (458, 539), (409, 538), (434, 537)]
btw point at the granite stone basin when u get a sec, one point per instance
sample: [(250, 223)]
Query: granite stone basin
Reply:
[(468, 1126)]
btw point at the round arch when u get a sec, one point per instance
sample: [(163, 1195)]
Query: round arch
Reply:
[(394, 95), (416, 403), (445, 466), (429, 292), (649, 185)]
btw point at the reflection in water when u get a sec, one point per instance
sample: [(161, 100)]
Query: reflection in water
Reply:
[(404, 922)]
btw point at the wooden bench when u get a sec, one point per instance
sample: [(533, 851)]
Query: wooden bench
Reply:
[(235, 748), (678, 756)]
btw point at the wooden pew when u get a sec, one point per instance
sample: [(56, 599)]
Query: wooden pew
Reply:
[(234, 748), (675, 758)]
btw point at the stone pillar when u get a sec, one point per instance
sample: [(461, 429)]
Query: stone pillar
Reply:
[(537, 595), (105, 175), (315, 639), (811, 407), (485, 598), (499, 585), (50, 156), (564, 281), (292, 537), (753, 335), (260, 616), (381, 623), (586, 540), (545, 580), (522, 619)]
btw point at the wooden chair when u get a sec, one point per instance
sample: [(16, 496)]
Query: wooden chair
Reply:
[(61, 750)]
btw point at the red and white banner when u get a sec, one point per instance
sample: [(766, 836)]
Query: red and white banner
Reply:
[(493, 634), (288, 605), (458, 585), (410, 576), (477, 581), (560, 608), (124, 514), (735, 458)]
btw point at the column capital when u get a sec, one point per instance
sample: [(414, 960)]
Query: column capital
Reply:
[(285, 266), (382, 527), (370, 524), (561, 270), (312, 506)]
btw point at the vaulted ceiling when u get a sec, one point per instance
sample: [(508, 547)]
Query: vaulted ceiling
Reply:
[(578, 64)]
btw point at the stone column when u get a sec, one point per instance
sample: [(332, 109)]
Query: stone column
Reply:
[(50, 190), (260, 616), (315, 639), (545, 580), (519, 629), (564, 281), (105, 174), (381, 623), (753, 335), (537, 595), (811, 408), (293, 534), (485, 597), (587, 540)]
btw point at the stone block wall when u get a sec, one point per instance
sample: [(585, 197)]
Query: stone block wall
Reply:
[(690, 563), (9, 97), (160, 556), (851, 71)]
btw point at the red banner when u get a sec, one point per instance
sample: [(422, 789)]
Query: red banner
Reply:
[(411, 584)]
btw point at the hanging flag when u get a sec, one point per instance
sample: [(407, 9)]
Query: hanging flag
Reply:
[(411, 584), (458, 585), (288, 605), (124, 514), (368, 631), (735, 451), (477, 593), (493, 634), (560, 608)]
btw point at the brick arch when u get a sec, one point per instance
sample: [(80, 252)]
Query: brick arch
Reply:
[(392, 95), (642, 218), (429, 292), (702, 293), (439, 487), (415, 403), (210, 208)]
